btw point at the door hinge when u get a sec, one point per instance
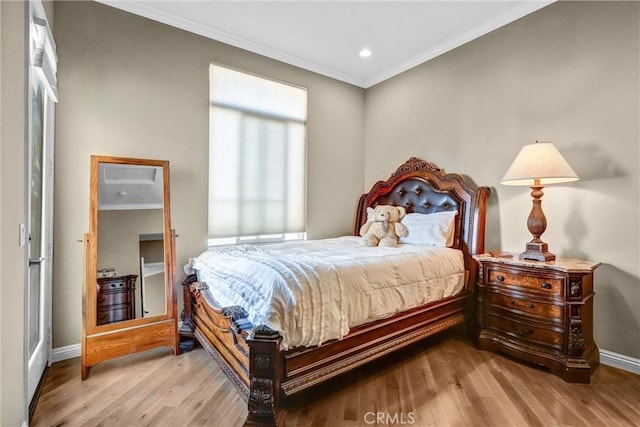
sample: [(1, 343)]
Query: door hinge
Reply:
[(49, 335)]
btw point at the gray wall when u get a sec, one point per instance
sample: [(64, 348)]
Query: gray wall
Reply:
[(132, 87), (568, 74), (13, 81)]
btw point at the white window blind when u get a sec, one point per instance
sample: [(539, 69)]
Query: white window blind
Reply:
[(257, 157)]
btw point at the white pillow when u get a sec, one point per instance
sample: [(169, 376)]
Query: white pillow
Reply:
[(435, 229)]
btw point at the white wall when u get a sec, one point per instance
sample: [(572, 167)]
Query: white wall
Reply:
[(568, 74)]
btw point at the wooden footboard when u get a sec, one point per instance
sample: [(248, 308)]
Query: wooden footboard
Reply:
[(252, 359), (222, 332)]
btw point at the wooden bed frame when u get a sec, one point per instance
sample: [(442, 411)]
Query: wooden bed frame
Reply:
[(251, 356)]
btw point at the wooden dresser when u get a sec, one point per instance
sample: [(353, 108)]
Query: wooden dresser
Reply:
[(541, 312), (116, 299)]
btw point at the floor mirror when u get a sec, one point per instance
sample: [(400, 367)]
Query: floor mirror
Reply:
[(129, 295)]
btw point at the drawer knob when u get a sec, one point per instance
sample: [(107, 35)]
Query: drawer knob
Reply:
[(531, 305), (545, 285), (513, 302), (500, 278)]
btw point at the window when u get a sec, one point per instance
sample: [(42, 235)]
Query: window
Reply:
[(257, 158)]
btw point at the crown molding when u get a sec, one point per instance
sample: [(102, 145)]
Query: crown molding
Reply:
[(502, 20), (150, 12)]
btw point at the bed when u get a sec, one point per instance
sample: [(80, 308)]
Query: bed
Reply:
[(269, 362)]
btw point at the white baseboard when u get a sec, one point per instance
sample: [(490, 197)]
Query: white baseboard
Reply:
[(620, 361), (67, 352), (607, 357)]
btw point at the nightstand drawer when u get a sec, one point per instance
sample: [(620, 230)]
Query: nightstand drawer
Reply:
[(116, 314), (117, 286), (545, 311), (106, 299), (525, 331), (552, 285)]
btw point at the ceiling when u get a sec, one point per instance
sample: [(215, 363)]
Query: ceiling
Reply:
[(125, 187), (327, 36)]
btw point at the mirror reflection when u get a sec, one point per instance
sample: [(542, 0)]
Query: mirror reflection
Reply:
[(131, 280)]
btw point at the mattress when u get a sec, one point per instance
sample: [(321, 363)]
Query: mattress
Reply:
[(315, 291)]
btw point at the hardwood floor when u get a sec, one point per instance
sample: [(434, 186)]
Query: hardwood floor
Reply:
[(441, 382)]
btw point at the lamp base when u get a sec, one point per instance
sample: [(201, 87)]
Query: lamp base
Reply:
[(538, 251)]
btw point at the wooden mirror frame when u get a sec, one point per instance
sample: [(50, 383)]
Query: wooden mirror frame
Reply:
[(107, 341)]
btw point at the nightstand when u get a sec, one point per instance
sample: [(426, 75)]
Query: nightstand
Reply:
[(116, 299), (541, 312)]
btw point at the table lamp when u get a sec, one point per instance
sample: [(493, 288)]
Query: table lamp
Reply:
[(535, 166)]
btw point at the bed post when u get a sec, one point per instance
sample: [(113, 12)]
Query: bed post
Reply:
[(474, 247), (265, 368), (186, 331)]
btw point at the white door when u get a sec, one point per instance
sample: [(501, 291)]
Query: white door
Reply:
[(42, 98)]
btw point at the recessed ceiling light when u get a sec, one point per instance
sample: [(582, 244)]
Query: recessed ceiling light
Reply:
[(365, 52)]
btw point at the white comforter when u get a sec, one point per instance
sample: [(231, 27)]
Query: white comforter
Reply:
[(314, 291)]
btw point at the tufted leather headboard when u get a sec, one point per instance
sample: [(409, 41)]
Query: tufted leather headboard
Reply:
[(416, 195), (422, 187)]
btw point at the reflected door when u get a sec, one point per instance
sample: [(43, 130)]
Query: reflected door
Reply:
[(152, 274)]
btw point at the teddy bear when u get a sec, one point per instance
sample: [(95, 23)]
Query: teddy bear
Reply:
[(383, 226)]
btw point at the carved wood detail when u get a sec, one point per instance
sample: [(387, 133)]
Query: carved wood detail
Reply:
[(416, 164), (196, 287), (261, 399), (265, 377), (235, 380), (185, 315), (575, 288), (262, 361), (576, 340)]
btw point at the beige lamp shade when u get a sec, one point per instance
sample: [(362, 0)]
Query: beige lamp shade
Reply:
[(540, 161)]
